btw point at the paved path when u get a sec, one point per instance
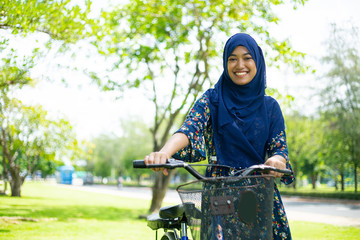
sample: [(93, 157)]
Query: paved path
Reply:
[(335, 212)]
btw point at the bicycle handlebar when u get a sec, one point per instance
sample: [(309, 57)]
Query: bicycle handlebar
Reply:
[(265, 168), (170, 164), (173, 163)]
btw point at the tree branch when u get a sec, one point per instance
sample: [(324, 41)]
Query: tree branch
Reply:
[(42, 30)]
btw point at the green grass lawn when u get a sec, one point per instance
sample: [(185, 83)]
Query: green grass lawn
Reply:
[(69, 214), (53, 212)]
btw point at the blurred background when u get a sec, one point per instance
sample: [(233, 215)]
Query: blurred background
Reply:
[(89, 86)]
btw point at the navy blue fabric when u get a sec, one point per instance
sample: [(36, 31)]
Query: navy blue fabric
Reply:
[(238, 110)]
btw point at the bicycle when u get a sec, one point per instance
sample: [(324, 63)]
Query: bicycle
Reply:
[(238, 206)]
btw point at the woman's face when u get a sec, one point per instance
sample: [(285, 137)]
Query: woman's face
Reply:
[(241, 66)]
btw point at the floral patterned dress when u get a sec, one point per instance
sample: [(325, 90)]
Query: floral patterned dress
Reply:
[(198, 128)]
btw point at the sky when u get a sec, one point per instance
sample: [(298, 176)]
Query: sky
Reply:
[(93, 112)]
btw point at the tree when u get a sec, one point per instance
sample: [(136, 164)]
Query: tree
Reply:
[(116, 153), (304, 136), (173, 47), (335, 150), (312, 162), (340, 96), (60, 22), (27, 136), (296, 134)]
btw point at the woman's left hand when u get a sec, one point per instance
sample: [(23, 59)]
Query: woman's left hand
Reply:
[(276, 161)]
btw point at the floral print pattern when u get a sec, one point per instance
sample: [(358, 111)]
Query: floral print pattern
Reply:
[(197, 127)]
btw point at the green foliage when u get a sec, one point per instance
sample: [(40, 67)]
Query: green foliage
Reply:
[(173, 51), (335, 149), (117, 153), (304, 137), (285, 101), (105, 155), (321, 192), (50, 21), (61, 20), (47, 168), (174, 36), (340, 97), (328, 145), (14, 69), (30, 140)]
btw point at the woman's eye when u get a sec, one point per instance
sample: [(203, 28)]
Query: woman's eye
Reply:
[(232, 59)]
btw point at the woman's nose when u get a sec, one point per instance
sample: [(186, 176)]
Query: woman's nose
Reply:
[(240, 63)]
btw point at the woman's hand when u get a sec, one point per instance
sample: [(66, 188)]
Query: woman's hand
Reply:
[(175, 143), (157, 158), (276, 161)]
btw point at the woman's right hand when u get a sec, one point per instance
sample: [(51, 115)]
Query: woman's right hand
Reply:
[(157, 158), (175, 143)]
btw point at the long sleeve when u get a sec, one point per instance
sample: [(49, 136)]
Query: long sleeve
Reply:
[(194, 128), (277, 144)]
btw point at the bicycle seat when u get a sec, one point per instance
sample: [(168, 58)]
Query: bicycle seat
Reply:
[(174, 211), (155, 222)]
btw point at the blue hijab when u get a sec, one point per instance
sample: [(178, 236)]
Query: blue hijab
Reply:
[(238, 112)]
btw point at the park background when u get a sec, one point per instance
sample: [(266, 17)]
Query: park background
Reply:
[(77, 85)]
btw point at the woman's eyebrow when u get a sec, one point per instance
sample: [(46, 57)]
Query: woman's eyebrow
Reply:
[(234, 55)]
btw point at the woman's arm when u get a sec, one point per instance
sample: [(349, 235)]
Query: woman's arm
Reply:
[(277, 147), (189, 138), (173, 145)]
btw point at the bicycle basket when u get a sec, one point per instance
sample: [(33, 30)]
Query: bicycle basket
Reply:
[(229, 207)]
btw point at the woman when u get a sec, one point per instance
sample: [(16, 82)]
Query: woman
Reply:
[(235, 123)]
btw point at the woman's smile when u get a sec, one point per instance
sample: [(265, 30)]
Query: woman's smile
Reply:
[(241, 66)]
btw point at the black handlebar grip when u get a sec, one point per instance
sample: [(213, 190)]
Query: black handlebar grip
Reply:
[(139, 164), (287, 172)]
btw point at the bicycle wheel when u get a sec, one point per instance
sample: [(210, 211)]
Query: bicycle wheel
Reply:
[(168, 236)]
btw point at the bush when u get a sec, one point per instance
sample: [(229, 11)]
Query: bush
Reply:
[(321, 194)]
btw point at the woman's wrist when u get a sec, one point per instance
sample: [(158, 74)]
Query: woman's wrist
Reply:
[(277, 161), (280, 158), (165, 152)]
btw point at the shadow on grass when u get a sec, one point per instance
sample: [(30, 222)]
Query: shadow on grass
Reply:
[(73, 212)]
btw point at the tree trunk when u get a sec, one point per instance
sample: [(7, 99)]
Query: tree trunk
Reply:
[(355, 177), (139, 180), (159, 190), (313, 181), (5, 176), (15, 184), (5, 186), (342, 181), (336, 182), (14, 170)]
